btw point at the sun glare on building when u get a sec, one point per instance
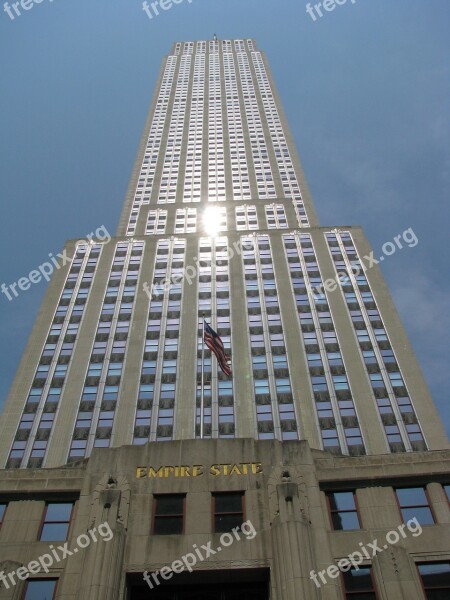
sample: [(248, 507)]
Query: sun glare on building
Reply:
[(212, 220)]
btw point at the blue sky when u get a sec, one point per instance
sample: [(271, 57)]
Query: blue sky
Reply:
[(365, 89)]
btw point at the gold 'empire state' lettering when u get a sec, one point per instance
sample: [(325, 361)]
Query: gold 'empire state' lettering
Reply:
[(236, 469), (170, 471), (225, 469)]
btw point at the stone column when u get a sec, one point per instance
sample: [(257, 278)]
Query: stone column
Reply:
[(8, 591), (438, 499), (398, 573), (102, 568), (292, 547)]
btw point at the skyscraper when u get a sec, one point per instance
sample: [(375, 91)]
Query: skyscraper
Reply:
[(218, 224)]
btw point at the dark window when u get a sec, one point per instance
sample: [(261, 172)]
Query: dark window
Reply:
[(2, 512), (413, 502), (228, 511), (220, 591), (343, 510), (56, 521), (40, 589), (168, 515), (358, 584), (435, 580), (447, 491)]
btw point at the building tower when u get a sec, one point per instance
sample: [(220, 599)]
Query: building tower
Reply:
[(325, 391)]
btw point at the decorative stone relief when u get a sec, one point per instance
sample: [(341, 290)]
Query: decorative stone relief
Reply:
[(120, 491), (288, 476)]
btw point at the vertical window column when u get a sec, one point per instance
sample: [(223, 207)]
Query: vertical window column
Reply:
[(291, 188), (246, 217), (194, 155), (185, 220), (144, 186), (216, 162), (263, 171), (155, 411), (214, 307), (335, 409), (393, 400), (275, 411), (239, 165), (156, 222), (94, 425), (172, 157), (33, 434), (276, 216)]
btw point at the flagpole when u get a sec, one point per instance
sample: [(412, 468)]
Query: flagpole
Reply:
[(202, 409)]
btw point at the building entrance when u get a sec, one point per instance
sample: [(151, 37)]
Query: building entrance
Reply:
[(212, 585), (201, 592)]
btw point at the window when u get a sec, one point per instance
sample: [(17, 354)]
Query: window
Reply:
[(168, 515), (2, 513), (435, 580), (228, 511), (343, 510), (413, 502), (358, 584), (447, 491), (40, 589), (56, 521)]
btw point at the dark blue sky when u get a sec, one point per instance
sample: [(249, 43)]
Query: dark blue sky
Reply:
[(365, 89)]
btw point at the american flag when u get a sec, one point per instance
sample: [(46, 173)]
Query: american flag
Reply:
[(215, 344)]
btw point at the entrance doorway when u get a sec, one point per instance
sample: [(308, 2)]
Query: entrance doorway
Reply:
[(243, 584)]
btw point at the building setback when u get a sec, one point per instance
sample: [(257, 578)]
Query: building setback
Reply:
[(324, 443)]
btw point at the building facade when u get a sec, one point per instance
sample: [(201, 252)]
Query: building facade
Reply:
[(324, 438)]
